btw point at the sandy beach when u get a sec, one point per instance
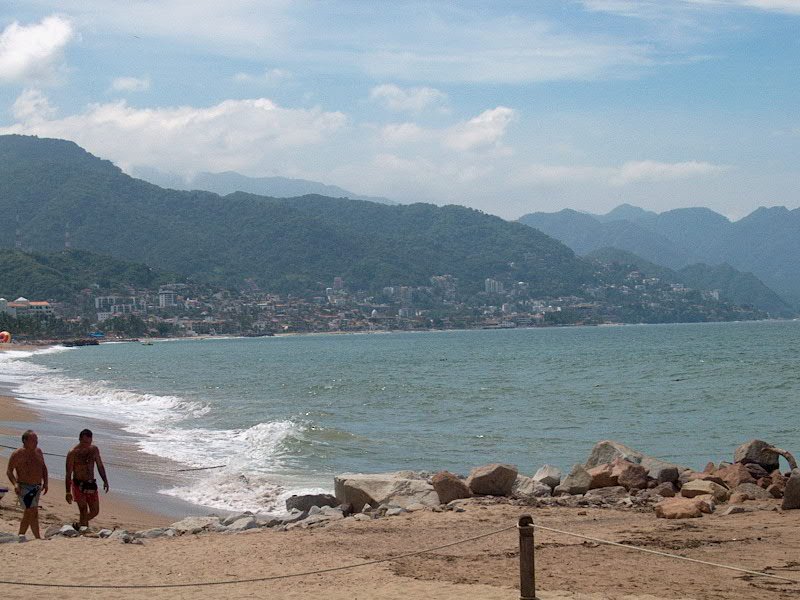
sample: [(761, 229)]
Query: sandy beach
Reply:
[(487, 568)]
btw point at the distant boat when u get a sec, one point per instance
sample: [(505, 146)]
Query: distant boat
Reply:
[(97, 334)]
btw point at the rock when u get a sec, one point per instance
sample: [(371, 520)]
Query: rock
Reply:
[(791, 494), (51, 531), (630, 476), (305, 502), (400, 488), (155, 532), (395, 511), (602, 476), (755, 451), (119, 534), (738, 498), (665, 489), (576, 482), (775, 490), (526, 488), (7, 538), (705, 503), (608, 493), (606, 451), (265, 520), (753, 492), (548, 475), (243, 524), (362, 517), (735, 475), (756, 470), (195, 524), (735, 510), (715, 478), (449, 487), (492, 480), (333, 513), (68, 531), (701, 487), (231, 519), (104, 533), (678, 508)]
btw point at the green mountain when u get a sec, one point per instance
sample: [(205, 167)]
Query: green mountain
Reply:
[(734, 286), (765, 243), (60, 276), (285, 245)]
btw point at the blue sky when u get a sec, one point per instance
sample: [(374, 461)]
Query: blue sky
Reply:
[(507, 107)]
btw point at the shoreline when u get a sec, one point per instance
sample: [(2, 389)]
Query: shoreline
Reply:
[(115, 510)]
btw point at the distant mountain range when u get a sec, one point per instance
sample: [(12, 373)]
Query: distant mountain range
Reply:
[(50, 187), (229, 182), (765, 243)]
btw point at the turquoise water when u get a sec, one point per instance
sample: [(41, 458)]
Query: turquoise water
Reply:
[(286, 413)]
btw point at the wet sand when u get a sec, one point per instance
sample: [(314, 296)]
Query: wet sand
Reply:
[(115, 511)]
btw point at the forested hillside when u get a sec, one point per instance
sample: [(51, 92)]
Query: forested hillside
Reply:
[(51, 186)]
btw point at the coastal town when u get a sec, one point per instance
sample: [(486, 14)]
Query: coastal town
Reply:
[(187, 310)]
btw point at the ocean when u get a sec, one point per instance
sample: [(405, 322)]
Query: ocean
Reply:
[(283, 415)]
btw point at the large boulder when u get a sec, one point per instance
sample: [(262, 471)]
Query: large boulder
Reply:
[(751, 491), (449, 487), (492, 480), (306, 501), (399, 488), (576, 482), (196, 524), (526, 488), (602, 477), (735, 475), (702, 487), (755, 451), (629, 475), (607, 451), (678, 508), (548, 475), (791, 494)]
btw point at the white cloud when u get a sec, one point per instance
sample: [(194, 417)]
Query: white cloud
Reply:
[(656, 9), (270, 76), (482, 132), (131, 84), (650, 170), (248, 135), (32, 106), (404, 133), (34, 52), (628, 173), (486, 129), (414, 99)]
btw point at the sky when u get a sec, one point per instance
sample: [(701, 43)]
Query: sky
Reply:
[(509, 107)]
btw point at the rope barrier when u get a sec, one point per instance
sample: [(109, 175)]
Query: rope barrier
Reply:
[(111, 464), (667, 554), (255, 579)]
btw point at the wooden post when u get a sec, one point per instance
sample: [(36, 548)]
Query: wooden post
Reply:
[(527, 568)]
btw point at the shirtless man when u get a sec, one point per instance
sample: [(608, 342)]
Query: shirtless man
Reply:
[(28, 474), (79, 478)]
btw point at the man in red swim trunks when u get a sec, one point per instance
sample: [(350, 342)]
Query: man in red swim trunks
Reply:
[(80, 481)]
